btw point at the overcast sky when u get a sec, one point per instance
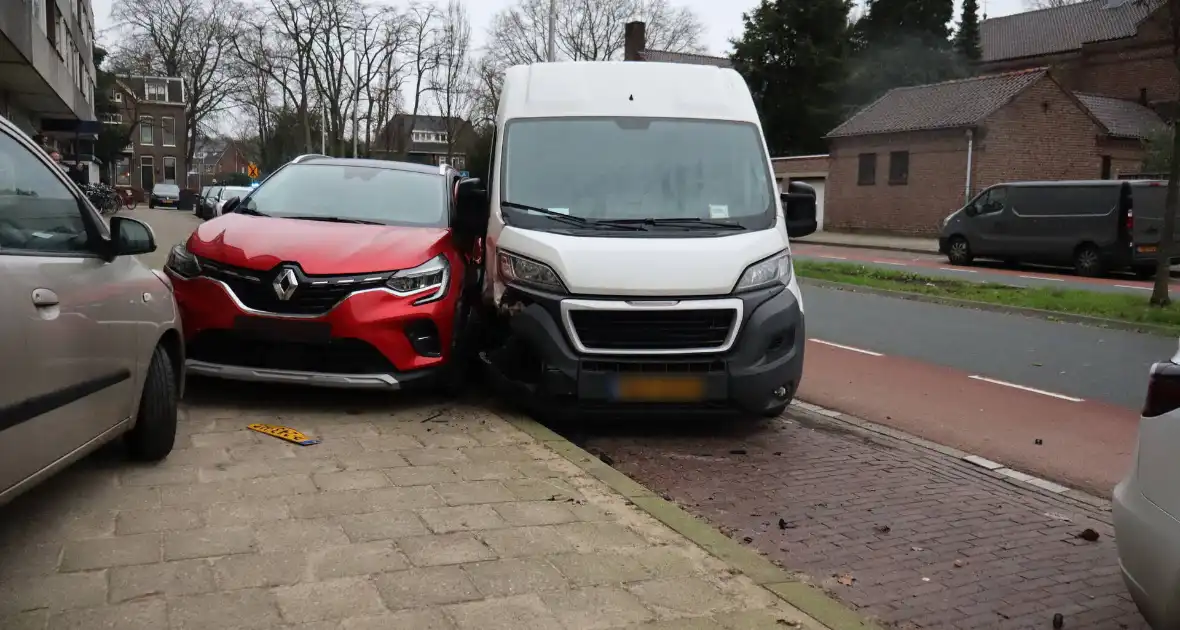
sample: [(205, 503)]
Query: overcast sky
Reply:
[(722, 17)]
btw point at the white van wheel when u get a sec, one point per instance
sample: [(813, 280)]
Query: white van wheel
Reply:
[(959, 252)]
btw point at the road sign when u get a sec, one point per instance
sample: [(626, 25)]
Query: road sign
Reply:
[(252, 170), (464, 174)]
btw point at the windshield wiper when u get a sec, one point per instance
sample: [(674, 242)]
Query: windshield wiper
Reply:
[(568, 219), (334, 220), (685, 222), (250, 211)]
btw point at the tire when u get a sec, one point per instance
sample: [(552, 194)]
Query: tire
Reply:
[(151, 205), (154, 434), (452, 380), (958, 251), (1087, 261)]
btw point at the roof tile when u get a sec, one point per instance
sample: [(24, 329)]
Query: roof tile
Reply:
[(1122, 118), (689, 58), (1061, 29), (946, 105)]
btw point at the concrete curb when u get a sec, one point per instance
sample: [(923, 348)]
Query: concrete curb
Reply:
[(892, 248), (807, 598), (1085, 320)]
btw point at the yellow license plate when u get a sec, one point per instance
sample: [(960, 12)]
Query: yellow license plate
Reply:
[(1147, 249), (283, 433), (660, 389)]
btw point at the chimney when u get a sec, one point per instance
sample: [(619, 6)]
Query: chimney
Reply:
[(634, 41)]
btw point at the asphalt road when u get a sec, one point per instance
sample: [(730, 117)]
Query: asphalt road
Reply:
[(983, 271), (1080, 361)]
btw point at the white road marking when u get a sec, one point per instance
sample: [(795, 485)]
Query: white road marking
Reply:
[(889, 262), (1044, 278), (849, 348), (831, 257), (1127, 286), (1027, 389), (958, 270)]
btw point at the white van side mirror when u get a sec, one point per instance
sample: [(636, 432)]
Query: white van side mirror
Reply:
[(799, 209)]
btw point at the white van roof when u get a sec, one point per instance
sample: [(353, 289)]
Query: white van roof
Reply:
[(625, 88)]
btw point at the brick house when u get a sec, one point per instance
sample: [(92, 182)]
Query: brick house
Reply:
[(429, 142), (216, 157), (1064, 93), (155, 107)]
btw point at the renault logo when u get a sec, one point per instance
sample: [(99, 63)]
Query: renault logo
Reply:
[(285, 284)]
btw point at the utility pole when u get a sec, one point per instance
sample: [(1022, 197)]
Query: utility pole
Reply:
[(552, 31), (324, 128), (356, 96)]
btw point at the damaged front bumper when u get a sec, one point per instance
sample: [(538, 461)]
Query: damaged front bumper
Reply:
[(758, 374)]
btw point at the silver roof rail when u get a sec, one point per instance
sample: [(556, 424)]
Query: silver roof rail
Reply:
[(307, 156)]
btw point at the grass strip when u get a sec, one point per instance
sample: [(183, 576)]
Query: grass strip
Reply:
[(1132, 308)]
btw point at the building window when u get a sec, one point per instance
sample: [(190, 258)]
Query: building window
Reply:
[(146, 135), (147, 178), (117, 97), (168, 130), (156, 91), (866, 169), (208, 169), (899, 167), (112, 119), (169, 170), (123, 172), (430, 137), (458, 162), (1106, 168)]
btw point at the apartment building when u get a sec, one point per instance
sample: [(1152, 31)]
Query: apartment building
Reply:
[(154, 107), (47, 73)]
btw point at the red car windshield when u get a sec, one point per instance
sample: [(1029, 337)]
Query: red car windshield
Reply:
[(369, 194)]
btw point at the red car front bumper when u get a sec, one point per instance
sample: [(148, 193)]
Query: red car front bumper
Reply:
[(371, 339)]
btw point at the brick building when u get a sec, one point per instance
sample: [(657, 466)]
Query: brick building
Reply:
[(215, 158), (1064, 93), (155, 107)]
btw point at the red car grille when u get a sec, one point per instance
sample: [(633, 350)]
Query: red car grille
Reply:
[(312, 295), (338, 356)]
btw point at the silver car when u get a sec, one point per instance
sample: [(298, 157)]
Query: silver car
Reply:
[(90, 336)]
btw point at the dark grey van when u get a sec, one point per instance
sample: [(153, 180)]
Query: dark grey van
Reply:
[(1093, 226)]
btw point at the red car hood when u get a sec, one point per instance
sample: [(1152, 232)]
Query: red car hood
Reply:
[(320, 248)]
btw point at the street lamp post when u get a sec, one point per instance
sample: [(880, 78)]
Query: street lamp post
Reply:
[(552, 49), (356, 96)]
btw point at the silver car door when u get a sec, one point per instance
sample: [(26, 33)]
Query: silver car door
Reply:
[(76, 312)]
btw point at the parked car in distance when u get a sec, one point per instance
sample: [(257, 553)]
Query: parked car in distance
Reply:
[(164, 195), (90, 336), (332, 272), (1093, 226), (202, 208), (1147, 503), (225, 194)]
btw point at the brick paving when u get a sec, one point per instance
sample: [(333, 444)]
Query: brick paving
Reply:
[(914, 538), (407, 516)]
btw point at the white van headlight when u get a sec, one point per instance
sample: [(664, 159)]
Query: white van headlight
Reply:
[(520, 270), (773, 270), (429, 278)]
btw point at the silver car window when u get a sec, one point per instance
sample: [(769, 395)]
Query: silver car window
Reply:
[(38, 212)]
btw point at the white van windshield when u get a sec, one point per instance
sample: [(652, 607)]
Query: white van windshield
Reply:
[(609, 169)]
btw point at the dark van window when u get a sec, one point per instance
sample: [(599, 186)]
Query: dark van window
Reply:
[(994, 201), (866, 171), (899, 167)]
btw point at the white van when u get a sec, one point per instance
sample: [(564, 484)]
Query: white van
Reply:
[(637, 252)]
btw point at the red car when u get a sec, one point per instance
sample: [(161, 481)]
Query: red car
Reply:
[(333, 272)]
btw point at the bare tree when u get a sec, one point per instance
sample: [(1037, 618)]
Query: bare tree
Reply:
[(486, 80), (423, 47), (451, 79), (1049, 4), (189, 39), (589, 30)]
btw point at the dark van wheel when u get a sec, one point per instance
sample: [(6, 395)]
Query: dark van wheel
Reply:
[(958, 251), (155, 427), (1087, 261)]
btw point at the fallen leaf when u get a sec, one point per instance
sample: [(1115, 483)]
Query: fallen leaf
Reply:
[(1088, 535), (1058, 621), (606, 459), (846, 579), (882, 529), (748, 540)]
